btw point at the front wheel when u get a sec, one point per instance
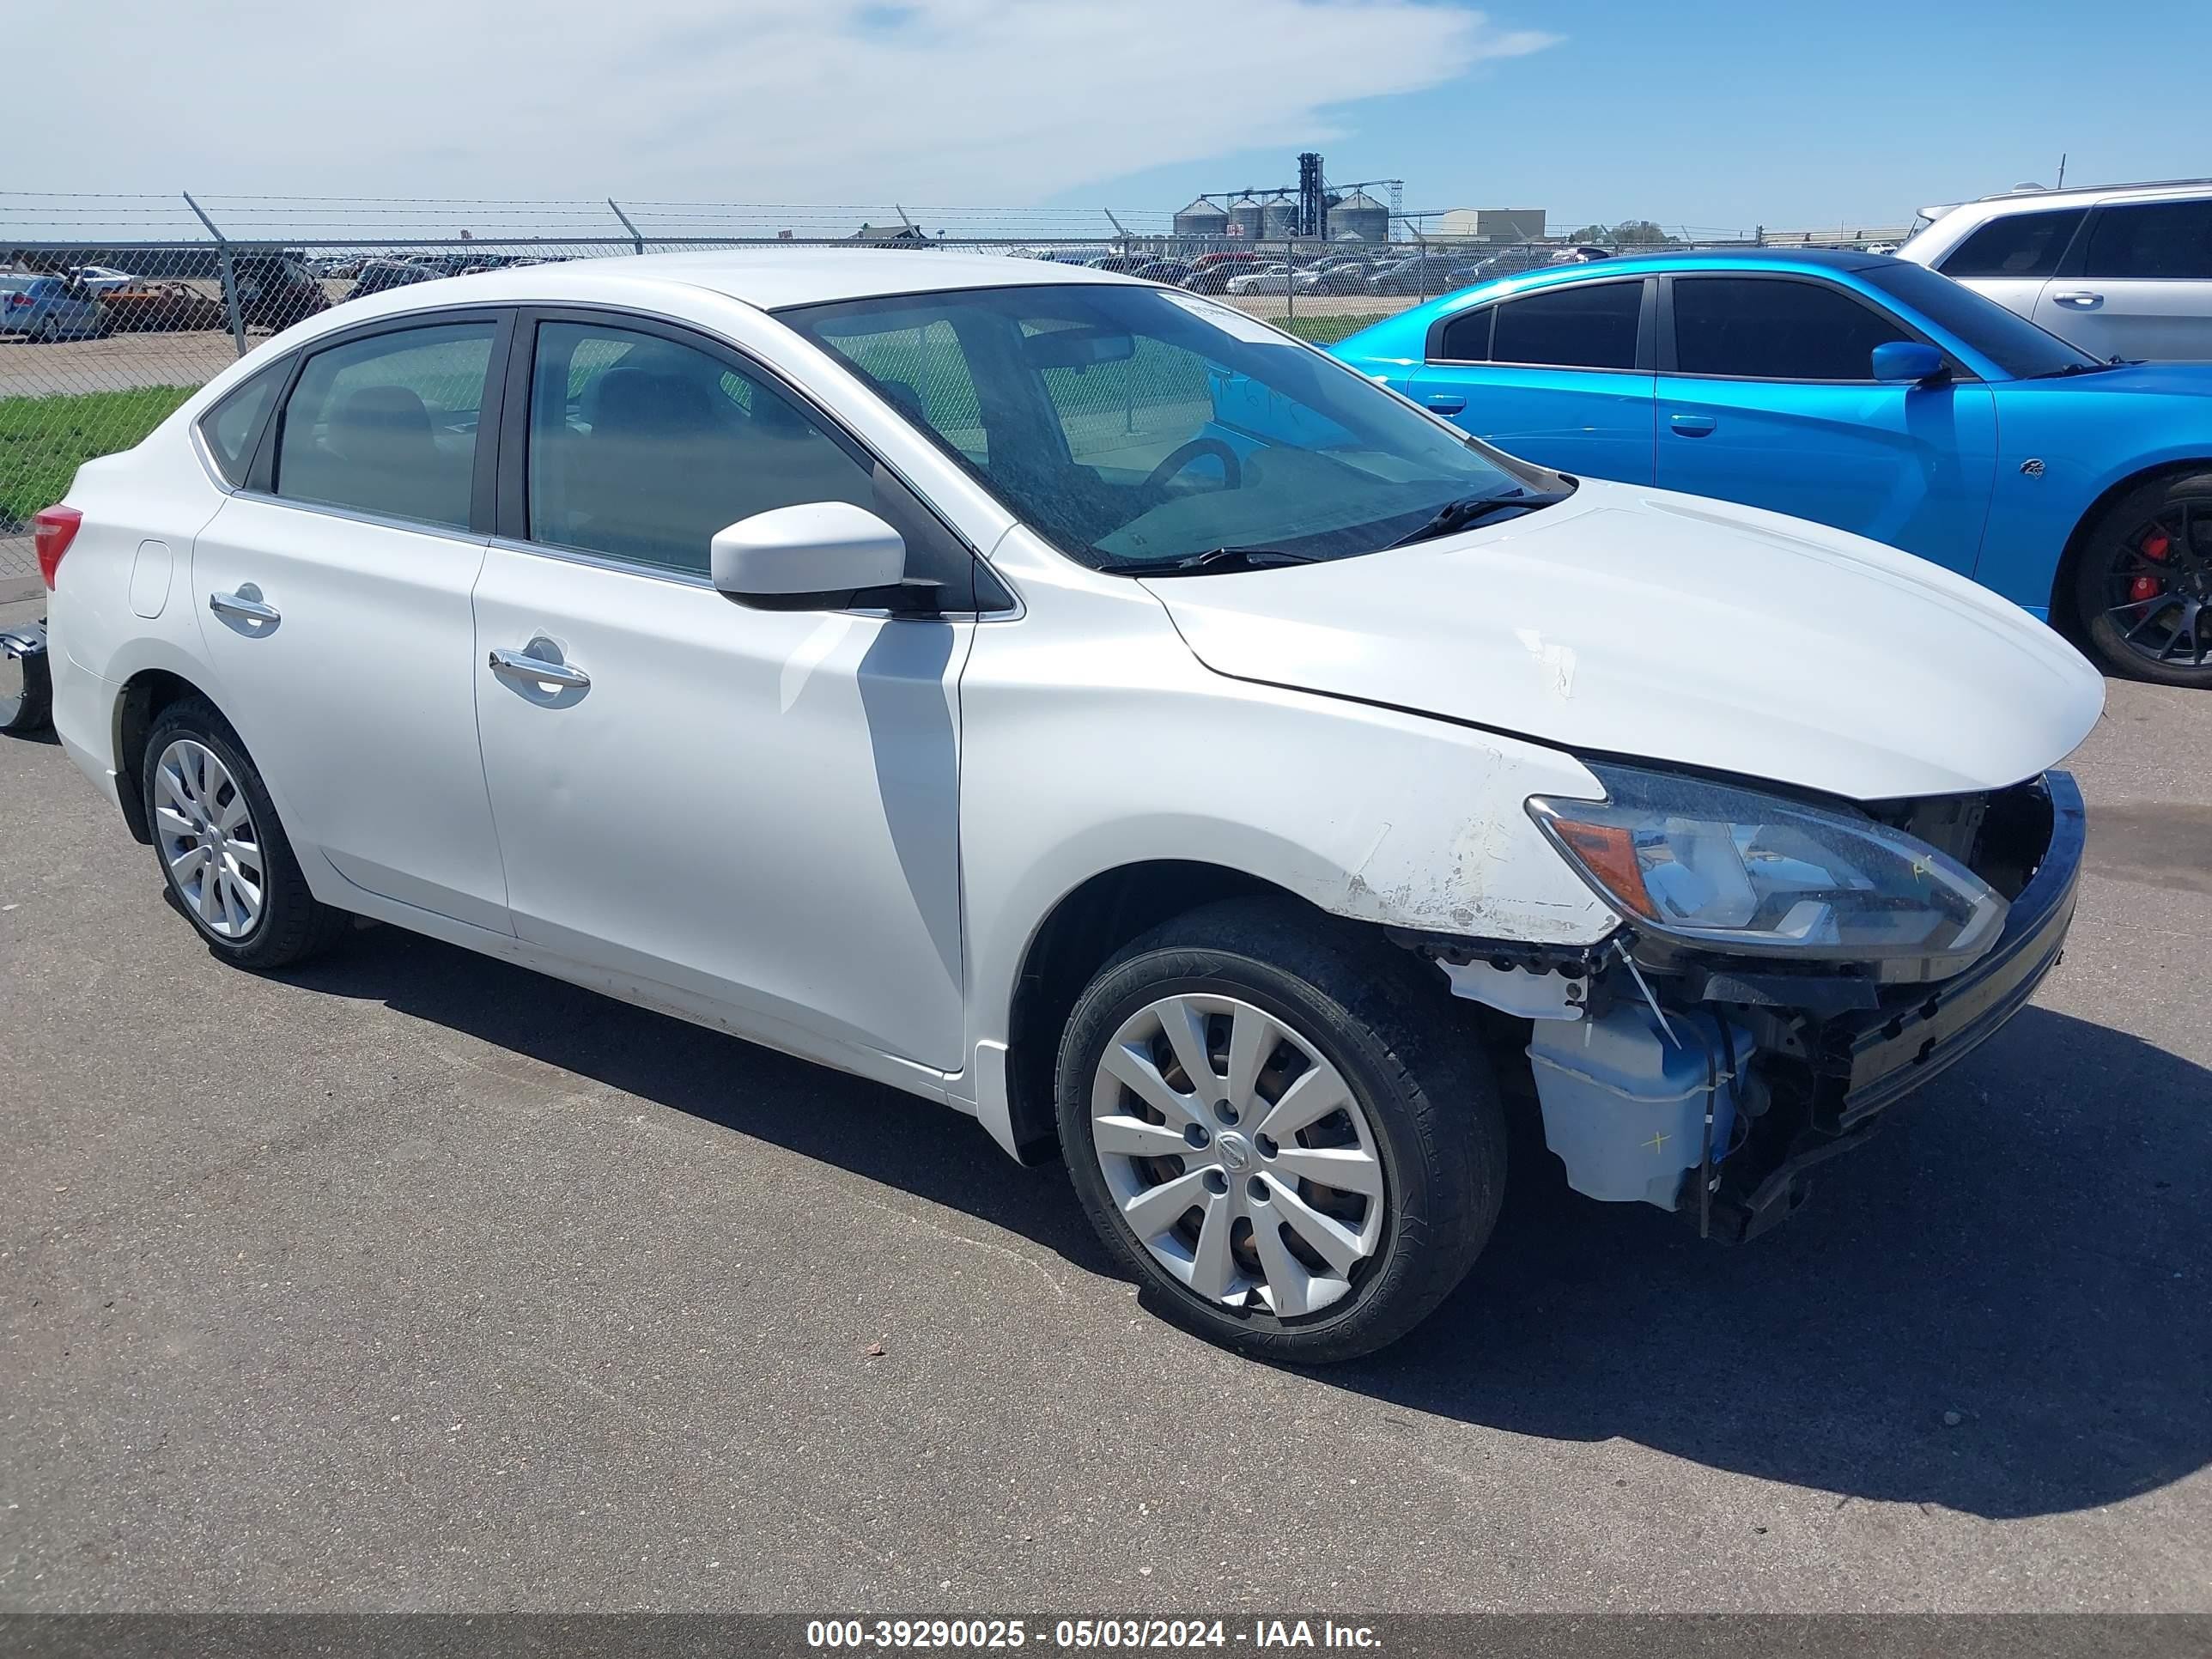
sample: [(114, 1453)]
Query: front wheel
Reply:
[(2143, 585), (1274, 1129)]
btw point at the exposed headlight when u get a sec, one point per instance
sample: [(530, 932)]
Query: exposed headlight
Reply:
[(1735, 870)]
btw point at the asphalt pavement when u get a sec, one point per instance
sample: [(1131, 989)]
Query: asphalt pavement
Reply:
[(412, 1281)]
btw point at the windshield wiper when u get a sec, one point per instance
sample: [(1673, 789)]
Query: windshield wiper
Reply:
[(1470, 510), (1218, 558), (2083, 368)]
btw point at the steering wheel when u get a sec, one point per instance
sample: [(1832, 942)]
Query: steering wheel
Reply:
[(1232, 473)]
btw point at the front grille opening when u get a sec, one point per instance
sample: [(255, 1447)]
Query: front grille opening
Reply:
[(2001, 835)]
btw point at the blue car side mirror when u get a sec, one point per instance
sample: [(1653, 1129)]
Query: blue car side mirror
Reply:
[(1910, 361)]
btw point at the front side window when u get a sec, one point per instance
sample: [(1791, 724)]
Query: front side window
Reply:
[(641, 448), (1133, 427), (1587, 325), (2157, 240), (387, 424), (1761, 329), (2028, 245)]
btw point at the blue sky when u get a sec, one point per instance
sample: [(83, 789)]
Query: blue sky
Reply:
[(1727, 115), (1719, 116)]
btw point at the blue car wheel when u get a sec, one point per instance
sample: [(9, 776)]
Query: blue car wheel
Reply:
[(2144, 583)]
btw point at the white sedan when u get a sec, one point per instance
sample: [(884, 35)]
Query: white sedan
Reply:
[(1074, 702)]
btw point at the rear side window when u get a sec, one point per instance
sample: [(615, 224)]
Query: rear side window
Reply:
[(1588, 325), (1758, 329), (388, 425), (2015, 245), (641, 448), (2171, 240), (1466, 338), (231, 427)]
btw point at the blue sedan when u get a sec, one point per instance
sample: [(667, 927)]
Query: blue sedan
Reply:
[(1861, 392)]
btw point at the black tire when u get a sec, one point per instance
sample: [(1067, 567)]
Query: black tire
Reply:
[(2172, 642), (26, 707), (1423, 1087), (294, 925)]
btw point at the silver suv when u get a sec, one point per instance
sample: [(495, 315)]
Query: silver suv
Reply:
[(2122, 270)]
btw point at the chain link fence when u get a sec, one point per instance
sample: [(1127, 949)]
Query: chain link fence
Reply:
[(114, 309)]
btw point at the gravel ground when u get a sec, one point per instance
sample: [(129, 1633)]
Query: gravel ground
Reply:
[(412, 1280)]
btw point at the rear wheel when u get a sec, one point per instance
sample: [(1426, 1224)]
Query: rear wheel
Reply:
[(2143, 585), (223, 854), (1273, 1132)]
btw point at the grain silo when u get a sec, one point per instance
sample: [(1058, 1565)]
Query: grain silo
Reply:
[(1279, 218), (1245, 218), (1202, 218), (1361, 215)]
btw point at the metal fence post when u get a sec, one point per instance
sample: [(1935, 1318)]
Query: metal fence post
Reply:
[(636, 241), (1421, 262), (1290, 281), (229, 274)]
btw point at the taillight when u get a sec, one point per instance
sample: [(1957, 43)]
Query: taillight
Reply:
[(52, 532), (14, 300)]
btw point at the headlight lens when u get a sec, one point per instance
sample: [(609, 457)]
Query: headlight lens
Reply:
[(1737, 870)]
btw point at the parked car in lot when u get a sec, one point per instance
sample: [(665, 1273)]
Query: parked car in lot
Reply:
[(1335, 276), (1865, 393), (274, 291), (102, 280), (163, 307), (1074, 702), (1419, 273), (42, 306), (1272, 279), (1174, 272), (1215, 272), (2122, 270), (377, 275)]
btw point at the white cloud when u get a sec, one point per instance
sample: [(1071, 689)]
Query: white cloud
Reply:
[(961, 101)]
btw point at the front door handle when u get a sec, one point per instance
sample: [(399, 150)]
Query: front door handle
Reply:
[(521, 666), (1445, 403), (2080, 299), (246, 604), (1691, 426)]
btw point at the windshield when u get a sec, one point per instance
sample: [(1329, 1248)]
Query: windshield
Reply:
[(1133, 427), (2011, 342)]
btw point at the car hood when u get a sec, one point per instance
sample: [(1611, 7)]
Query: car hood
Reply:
[(2192, 380), (1638, 622)]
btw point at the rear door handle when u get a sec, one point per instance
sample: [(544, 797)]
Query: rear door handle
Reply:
[(2078, 298), (247, 604), (1691, 426), (1445, 403), (520, 666)]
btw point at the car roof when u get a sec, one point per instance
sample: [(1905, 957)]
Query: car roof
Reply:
[(768, 279), (2035, 199), (1803, 260)]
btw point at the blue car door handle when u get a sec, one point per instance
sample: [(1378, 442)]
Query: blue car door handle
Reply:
[(1690, 426), (1445, 403)]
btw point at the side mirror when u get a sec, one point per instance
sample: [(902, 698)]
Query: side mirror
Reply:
[(1909, 361), (814, 557)]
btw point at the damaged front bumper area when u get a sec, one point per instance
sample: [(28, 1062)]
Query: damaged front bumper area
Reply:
[(1711, 1084)]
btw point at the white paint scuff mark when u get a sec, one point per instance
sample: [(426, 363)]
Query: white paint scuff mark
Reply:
[(1558, 661)]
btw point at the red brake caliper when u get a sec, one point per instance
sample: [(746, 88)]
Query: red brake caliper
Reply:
[(2152, 546)]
